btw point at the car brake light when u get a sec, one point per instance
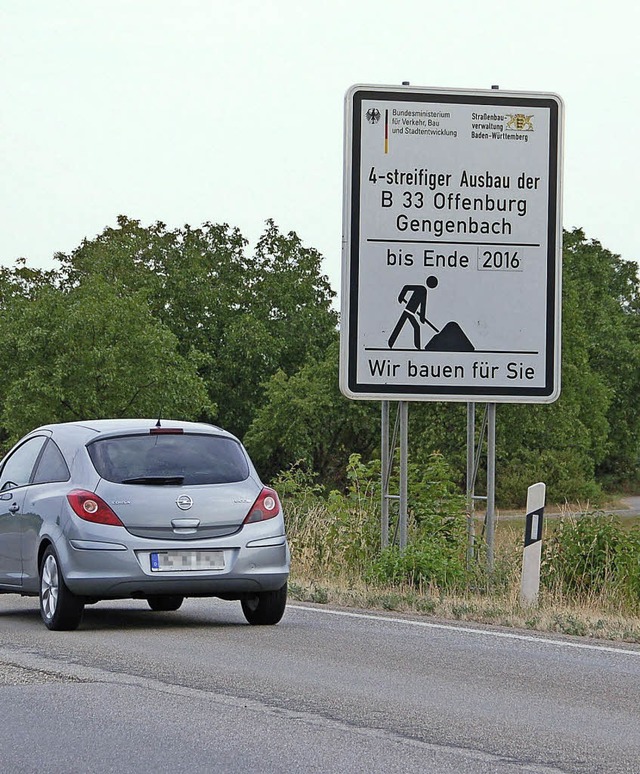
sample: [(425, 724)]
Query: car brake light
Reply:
[(90, 507), (166, 431), (265, 507)]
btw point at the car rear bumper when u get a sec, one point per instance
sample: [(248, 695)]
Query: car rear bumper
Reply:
[(112, 570)]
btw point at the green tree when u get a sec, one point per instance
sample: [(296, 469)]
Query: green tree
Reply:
[(250, 316), (605, 293), (23, 282), (590, 435), (91, 352), (306, 419)]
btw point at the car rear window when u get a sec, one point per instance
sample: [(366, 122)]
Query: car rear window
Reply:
[(172, 459)]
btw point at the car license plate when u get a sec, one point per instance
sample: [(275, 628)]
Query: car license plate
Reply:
[(186, 561)]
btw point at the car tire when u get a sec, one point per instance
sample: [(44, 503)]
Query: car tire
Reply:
[(265, 608), (61, 610), (165, 602)]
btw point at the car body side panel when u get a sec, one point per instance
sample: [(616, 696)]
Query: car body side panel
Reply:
[(10, 537), (41, 521)]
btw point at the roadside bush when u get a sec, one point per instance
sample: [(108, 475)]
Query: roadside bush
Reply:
[(569, 477), (340, 533), (437, 539), (426, 562), (590, 563), (593, 556)]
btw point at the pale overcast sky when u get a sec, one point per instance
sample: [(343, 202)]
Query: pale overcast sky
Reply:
[(232, 111)]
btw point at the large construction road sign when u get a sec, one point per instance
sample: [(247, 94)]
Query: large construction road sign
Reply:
[(451, 245)]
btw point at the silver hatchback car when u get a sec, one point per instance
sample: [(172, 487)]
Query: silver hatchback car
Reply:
[(134, 508)]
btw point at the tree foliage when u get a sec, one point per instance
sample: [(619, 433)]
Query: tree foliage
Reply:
[(603, 294), (250, 315), (189, 322), (589, 436), (306, 419), (143, 319), (90, 352)]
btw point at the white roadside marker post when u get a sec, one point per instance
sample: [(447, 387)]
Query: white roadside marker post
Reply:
[(532, 552)]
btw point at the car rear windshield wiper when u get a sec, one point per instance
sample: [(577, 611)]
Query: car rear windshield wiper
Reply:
[(159, 480)]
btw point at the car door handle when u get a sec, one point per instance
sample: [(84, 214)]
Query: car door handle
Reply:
[(14, 507)]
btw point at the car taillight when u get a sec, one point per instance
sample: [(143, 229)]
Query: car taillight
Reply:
[(265, 507), (90, 507)]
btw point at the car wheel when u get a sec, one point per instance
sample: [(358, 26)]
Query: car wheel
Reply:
[(266, 607), (60, 609), (165, 603)]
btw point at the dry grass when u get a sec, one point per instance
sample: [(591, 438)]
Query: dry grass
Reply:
[(595, 618), (323, 573)]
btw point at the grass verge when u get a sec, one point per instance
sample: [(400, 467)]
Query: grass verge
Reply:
[(587, 618), (590, 574)]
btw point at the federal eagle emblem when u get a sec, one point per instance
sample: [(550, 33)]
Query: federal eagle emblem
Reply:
[(373, 115)]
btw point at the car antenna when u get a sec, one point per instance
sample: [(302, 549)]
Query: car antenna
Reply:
[(158, 422)]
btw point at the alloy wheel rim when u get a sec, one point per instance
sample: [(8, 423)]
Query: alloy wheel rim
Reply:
[(50, 587)]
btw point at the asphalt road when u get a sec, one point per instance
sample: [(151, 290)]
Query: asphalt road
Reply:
[(325, 691), (631, 505)]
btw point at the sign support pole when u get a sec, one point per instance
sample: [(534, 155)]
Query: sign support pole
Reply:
[(389, 441), (404, 471), (474, 453), (385, 465), (471, 480), (491, 484)]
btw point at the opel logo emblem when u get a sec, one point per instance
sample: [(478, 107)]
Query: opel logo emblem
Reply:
[(184, 502)]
